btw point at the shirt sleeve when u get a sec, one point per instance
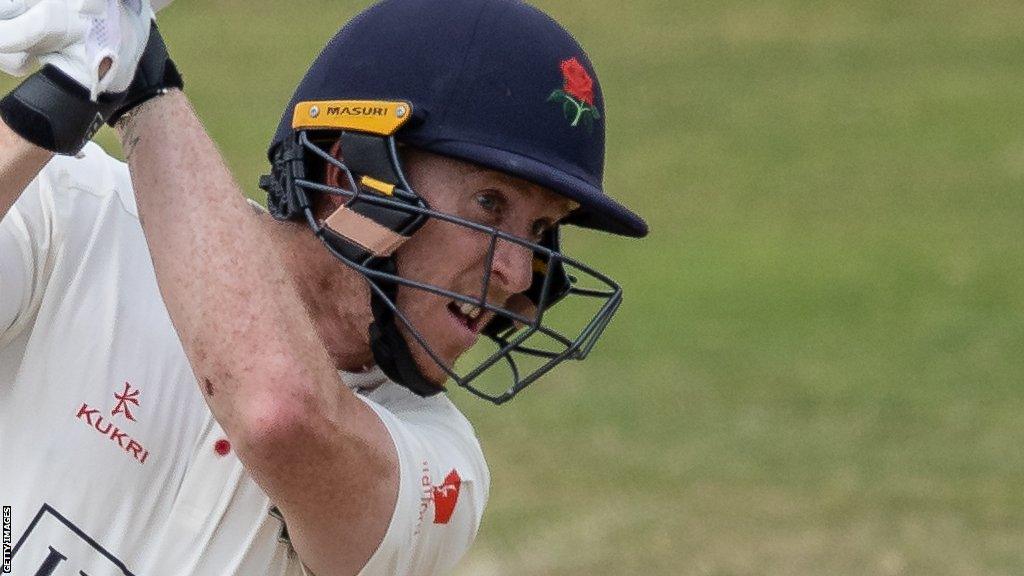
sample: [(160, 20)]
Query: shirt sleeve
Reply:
[(443, 491), (26, 238)]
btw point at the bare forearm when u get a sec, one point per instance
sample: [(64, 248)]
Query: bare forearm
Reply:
[(20, 162), (260, 364), (240, 320)]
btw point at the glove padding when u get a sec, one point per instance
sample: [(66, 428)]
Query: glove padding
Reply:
[(156, 75), (76, 37), (53, 111)]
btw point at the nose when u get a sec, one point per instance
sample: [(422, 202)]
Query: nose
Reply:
[(512, 267)]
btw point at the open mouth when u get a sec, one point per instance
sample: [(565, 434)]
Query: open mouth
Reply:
[(468, 315)]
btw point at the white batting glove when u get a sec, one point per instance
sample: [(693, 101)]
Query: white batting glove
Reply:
[(75, 36), (14, 63)]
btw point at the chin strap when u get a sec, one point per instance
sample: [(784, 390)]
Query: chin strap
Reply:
[(390, 350)]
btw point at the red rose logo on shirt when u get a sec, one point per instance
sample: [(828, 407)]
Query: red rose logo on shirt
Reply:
[(576, 94), (445, 497)]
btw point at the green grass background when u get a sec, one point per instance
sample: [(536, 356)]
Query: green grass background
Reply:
[(818, 367)]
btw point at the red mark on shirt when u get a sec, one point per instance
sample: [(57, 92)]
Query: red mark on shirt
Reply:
[(445, 497), (222, 447)]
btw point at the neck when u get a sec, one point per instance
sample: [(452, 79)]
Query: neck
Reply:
[(335, 296)]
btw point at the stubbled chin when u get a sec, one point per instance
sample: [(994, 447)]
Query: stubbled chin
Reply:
[(430, 316), (522, 305), (428, 368)]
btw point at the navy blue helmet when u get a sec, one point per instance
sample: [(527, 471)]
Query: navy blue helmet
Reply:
[(494, 82)]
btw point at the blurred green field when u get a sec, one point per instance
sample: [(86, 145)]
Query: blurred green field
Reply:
[(818, 368)]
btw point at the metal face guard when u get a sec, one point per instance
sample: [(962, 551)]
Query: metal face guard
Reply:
[(531, 339)]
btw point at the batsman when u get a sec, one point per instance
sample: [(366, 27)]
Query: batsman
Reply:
[(193, 384)]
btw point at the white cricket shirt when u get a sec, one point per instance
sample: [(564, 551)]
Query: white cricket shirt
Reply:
[(109, 456)]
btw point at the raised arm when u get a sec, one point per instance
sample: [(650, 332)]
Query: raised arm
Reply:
[(319, 452)]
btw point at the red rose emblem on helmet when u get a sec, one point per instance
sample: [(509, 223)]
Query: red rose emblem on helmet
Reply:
[(576, 94), (578, 83)]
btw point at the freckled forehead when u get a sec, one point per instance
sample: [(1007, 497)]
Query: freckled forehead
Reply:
[(474, 176)]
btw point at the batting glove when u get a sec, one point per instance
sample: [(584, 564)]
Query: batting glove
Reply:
[(76, 36), (62, 106), (156, 75)]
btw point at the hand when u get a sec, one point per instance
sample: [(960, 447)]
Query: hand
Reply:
[(13, 62), (89, 50), (97, 43)]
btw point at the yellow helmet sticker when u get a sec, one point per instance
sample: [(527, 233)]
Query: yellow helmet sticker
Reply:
[(373, 116), (382, 187)]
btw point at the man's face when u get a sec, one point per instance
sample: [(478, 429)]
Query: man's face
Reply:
[(456, 258)]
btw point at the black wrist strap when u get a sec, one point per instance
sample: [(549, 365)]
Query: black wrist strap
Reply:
[(155, 75), (53, 111)]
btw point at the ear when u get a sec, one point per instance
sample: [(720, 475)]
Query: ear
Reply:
[(332, 175), (326, 204)]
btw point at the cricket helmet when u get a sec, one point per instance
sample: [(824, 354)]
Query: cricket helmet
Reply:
[(494, 82)]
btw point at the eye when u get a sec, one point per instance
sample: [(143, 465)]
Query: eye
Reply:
[(492, 202), (540, 227)]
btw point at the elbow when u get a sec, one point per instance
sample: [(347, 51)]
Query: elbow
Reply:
[(270, 425), (278, 415), (274, 440)]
